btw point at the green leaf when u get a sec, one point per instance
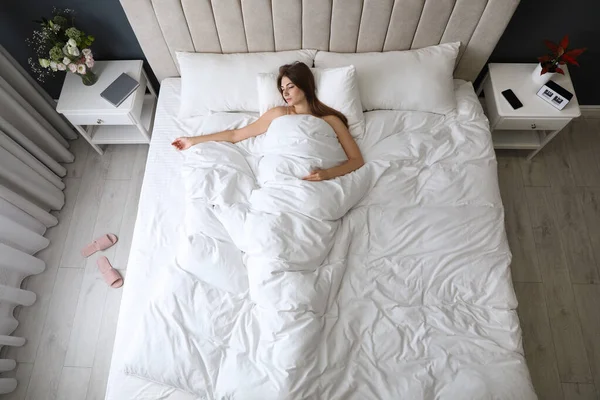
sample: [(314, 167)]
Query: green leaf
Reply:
[(60, 20)]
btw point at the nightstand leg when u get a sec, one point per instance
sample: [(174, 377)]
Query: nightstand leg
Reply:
[(140, 127), (148, 84), (480, 88), (87, 137), (544, 142)]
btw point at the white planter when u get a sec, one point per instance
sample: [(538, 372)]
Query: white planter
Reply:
[(541, 79)]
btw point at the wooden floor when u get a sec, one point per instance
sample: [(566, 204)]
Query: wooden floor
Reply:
[(552, 220), (552, 208), (71, 327)]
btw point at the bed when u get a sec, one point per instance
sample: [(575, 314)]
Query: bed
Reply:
[(429, 257)]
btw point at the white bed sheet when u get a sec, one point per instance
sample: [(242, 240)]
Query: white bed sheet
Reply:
[(158, 224), (162, 208)]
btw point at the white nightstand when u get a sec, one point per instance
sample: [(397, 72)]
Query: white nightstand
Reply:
[(537, 122), (131, 122)]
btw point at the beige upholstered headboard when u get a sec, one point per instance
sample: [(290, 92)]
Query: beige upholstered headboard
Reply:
[(239, 26)]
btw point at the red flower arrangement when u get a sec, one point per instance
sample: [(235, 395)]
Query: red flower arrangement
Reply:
[(559, 56)]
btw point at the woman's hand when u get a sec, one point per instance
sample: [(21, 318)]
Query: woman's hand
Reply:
[(182, 143), (318, 175)]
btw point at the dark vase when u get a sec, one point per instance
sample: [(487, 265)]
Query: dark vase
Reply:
[(89, 78)]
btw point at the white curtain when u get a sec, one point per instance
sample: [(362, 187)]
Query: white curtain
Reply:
[(32, 144)]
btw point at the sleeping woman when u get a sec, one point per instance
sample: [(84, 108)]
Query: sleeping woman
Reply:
[(296, 84)]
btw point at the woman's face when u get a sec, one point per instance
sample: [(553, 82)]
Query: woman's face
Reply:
[(291, 93)]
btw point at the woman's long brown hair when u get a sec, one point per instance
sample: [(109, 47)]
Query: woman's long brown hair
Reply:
[(301, 76)]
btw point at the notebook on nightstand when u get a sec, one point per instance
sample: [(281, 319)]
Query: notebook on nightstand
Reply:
[(120, 89)]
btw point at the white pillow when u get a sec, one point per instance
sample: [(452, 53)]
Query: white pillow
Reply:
[(413, 80), (336, 88), (226, 82)]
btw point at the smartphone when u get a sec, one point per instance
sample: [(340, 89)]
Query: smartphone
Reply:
[(512, 99)]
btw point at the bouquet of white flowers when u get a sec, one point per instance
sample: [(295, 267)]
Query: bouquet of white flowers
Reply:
[(59, 46)]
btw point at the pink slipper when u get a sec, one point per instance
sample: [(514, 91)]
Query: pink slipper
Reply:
[(111, 275), (101, 243)]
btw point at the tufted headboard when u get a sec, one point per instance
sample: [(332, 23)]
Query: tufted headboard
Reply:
[(239, 26)]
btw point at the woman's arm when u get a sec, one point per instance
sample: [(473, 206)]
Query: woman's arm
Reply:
[(256, 128), (355, 159)]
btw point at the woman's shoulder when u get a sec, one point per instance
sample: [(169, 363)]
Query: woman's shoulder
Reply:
[(273, 114), (277, 111), (333, 120)]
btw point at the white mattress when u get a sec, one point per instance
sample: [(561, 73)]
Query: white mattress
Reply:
[(162, 207), (160, 213)]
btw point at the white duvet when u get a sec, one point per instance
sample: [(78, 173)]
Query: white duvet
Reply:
[(390, 282)]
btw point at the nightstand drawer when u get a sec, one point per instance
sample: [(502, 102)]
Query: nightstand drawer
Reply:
[(531, 124), (115, 119)]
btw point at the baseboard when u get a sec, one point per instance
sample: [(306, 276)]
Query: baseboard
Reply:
[(590, 111)]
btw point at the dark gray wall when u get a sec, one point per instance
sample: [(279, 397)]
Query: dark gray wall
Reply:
[(534, 21), (104, 19)]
